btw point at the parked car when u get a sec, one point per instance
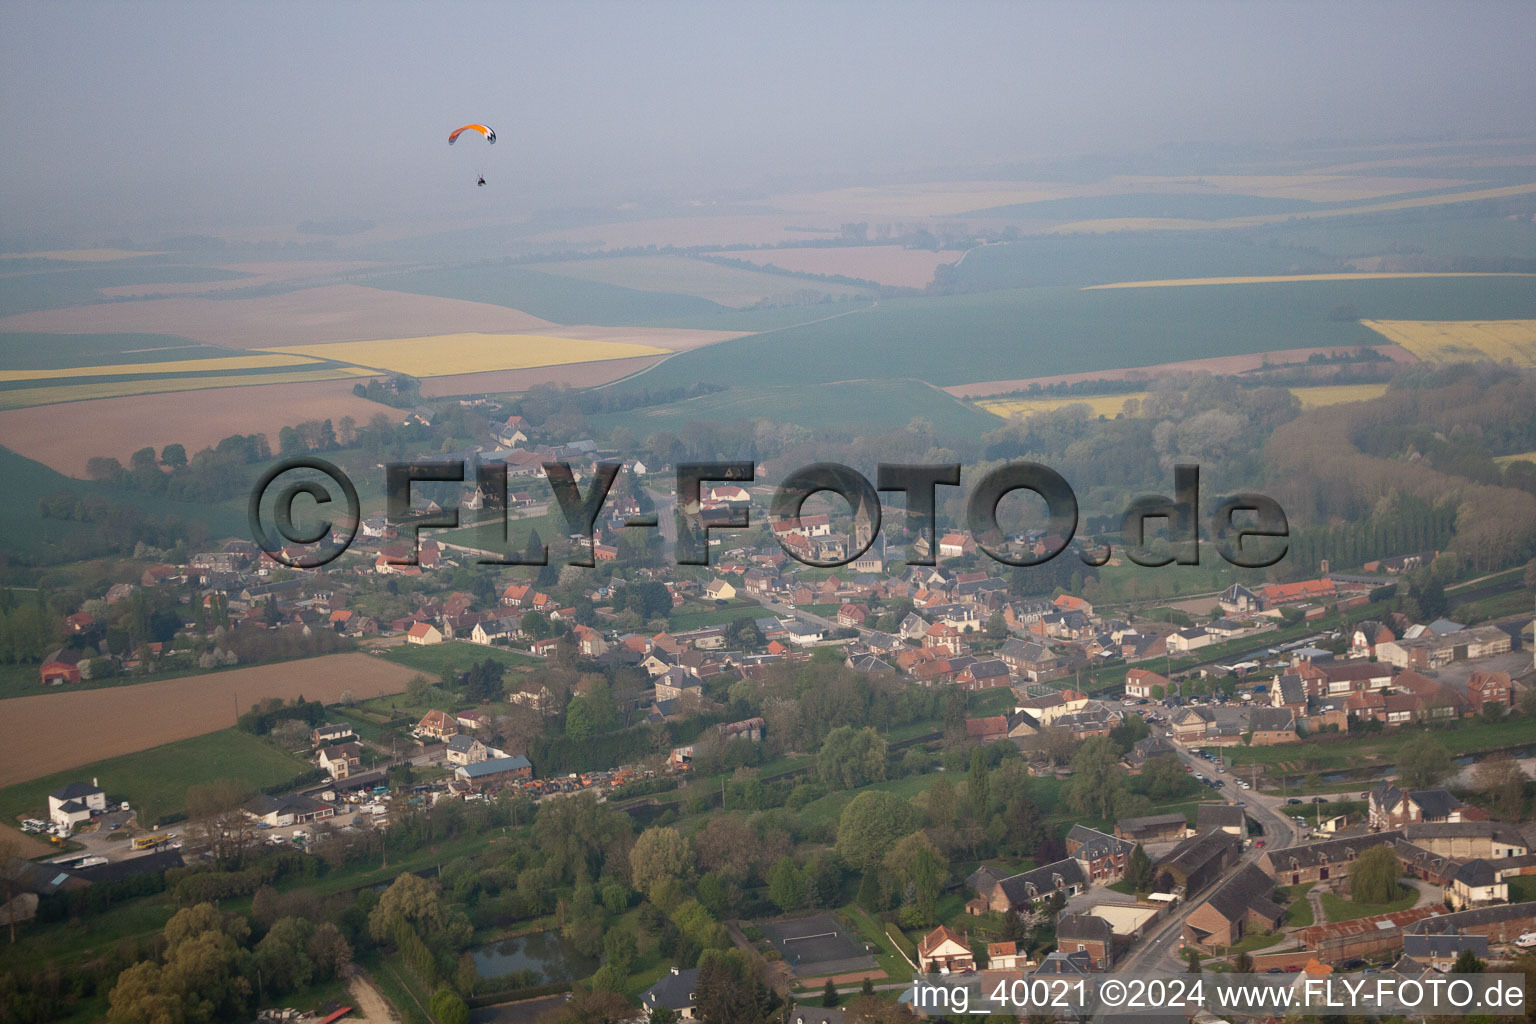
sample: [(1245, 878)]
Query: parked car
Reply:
[(1293, 801)]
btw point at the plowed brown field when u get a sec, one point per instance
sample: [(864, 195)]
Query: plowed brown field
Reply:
[(54, 731), (67, 435)]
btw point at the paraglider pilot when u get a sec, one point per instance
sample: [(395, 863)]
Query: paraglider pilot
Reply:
[(481, 180)]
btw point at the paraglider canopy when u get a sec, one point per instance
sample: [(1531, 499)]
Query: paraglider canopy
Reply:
[(490, 136)]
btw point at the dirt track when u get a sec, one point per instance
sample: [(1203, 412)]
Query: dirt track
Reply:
[(51, 732)]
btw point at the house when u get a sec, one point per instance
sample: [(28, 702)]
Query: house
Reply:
[(76, 802), (1484, 688), (675, 683), (1140, 682), (944, 951), (488, 631), (1005, 956), (470, 720), (676, 991), (1102, 856), (464, 749), (852, 616), (955, 545), (517, 768), (62, 666), (987, 730), (1022, 892), (1084, 933), (1390, 807), (423, 633), (437, 725), (1239, 600), (1190, 639), (1241, 905), (341, 760), (719, 590), (1030, 660), (1190, 725), (1476, 884), (1439, 952), (330, 733), (1367, 634)]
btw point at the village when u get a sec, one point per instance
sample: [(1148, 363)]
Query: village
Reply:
[(623, 683)]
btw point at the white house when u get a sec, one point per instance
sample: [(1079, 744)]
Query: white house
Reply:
[(74, 803), (424, 633)]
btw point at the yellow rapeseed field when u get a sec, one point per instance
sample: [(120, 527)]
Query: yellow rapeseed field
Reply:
[(1504, 460), (1282, 278), (1113, 405), (20, 398), (443, 355), (253, 362), (77, 255), (1440, 341), (1334, 394)]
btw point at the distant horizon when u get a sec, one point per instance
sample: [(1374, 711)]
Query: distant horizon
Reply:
[(187, 119)]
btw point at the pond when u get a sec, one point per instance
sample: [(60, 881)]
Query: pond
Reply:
[(546, 954)]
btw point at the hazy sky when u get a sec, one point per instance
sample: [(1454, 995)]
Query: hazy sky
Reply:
[(150, 118)]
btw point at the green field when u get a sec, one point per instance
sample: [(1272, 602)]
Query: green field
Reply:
[(55, 351), (1031, 332), (158, 778), (29, 537), (76, 285), (681, 275), (563, 300), (1077, 260), (852, 406)]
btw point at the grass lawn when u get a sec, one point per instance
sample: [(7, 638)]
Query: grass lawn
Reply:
[(1522, 889), (1337, 909), (698, 615), (1298, 911), (158, 778), (871, 931), (827, 809), (459, 655), (1256, 941), (1324, 754)]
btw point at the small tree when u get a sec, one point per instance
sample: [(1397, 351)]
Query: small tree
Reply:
[(829, 994), (1422, 763), (1468, 963), (1242, 963), (1192, 958), (1373, 877), (1138, 869)]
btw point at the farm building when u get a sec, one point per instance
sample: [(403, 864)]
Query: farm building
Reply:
[(496, 769), (62, 666)]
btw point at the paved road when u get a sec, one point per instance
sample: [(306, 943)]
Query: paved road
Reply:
[(1160, 950)]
